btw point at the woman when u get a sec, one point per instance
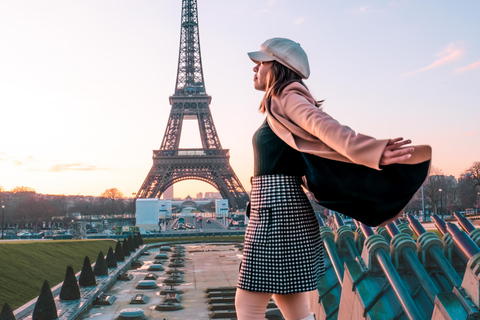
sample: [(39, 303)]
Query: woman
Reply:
[(283, 252)]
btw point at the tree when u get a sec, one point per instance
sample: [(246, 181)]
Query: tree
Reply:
[(466, 191), (82, 206), (474, 173), (130, 206), (35, 211), (469, 186), (114, 203), (22, 189), (449, 194), (112, 194), (415, 205), (440, 191), (2, 189)]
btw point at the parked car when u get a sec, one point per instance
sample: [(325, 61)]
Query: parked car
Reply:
[(92, 230)]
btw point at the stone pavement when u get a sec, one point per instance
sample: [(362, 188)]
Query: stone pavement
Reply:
[(207, 265)]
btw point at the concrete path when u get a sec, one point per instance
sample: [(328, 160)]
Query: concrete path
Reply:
[(206, 266)]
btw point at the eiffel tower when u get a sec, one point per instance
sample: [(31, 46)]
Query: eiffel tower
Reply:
[(190, 101)]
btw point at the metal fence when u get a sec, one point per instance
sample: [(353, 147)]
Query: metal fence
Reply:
[(176, 234)]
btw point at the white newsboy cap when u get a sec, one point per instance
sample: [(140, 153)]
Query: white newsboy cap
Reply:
[(285, 51)]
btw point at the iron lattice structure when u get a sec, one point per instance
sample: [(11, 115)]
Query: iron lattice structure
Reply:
[(210, 163)]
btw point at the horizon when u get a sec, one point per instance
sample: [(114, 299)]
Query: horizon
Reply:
[(85, 85)]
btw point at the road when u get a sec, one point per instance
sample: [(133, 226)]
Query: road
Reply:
[(214, 225)]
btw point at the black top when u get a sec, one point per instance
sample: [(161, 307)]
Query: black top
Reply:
[(273, 156)]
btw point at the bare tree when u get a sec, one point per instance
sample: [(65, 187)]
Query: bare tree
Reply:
[(474, 173), (449, 194), (415, 205), (469, 183), (22, 189), (112, 194), (439, 191), (130, 205), (466, 191), (114, 201)]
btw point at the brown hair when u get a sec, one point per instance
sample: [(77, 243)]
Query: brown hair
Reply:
[(278, 78)]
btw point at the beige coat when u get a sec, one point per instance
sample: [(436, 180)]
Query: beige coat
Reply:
[(294, 118)]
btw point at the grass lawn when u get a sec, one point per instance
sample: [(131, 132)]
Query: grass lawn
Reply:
[(24, 265)]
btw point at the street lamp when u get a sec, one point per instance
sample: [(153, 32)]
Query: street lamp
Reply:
[(3, 217), (441, 203), (478, 202), (423, 206)]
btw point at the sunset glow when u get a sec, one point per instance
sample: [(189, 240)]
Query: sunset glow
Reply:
[(84, 85)]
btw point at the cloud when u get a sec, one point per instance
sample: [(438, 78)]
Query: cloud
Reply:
[(73, 167), (368, 9), (468, 68), (469, 134), (269, 4), (451, 53), (299, 20), (397, 2), (5, 157)]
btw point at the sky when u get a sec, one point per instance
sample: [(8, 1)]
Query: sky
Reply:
[(84, 85)]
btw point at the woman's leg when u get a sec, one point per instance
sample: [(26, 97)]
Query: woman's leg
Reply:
[(293, 306), (251, 305)]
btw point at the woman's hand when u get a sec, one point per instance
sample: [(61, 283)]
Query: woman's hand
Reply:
[(394, 153)]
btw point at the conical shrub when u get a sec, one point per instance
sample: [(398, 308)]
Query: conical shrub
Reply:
[(100, 268), (111, 260), (140, 239), (7, 313), (87, 278), (136, 244), (45, 308), (119, 256), (70, 289), (131, 246), (126, 249)]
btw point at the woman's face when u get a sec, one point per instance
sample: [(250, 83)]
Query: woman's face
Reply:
[(260, 77)]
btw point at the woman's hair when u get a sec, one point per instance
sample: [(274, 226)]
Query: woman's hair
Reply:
[(278, 78)]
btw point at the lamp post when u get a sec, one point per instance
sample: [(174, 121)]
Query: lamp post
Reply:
[(441, 203), (3, 217), (477, 203), (423, 207)]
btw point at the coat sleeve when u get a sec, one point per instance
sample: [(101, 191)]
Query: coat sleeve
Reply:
[(358, 148)]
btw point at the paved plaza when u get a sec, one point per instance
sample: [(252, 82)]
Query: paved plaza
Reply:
[(206, 266)]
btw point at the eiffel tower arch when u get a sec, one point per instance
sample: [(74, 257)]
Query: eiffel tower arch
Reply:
[(210, 163)]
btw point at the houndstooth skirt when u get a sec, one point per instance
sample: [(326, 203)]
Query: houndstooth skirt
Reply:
[(283, 250)]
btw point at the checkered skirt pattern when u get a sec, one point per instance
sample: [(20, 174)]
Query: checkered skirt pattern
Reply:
[(283, 250)]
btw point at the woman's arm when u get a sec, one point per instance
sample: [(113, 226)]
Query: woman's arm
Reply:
[(358, 148)]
